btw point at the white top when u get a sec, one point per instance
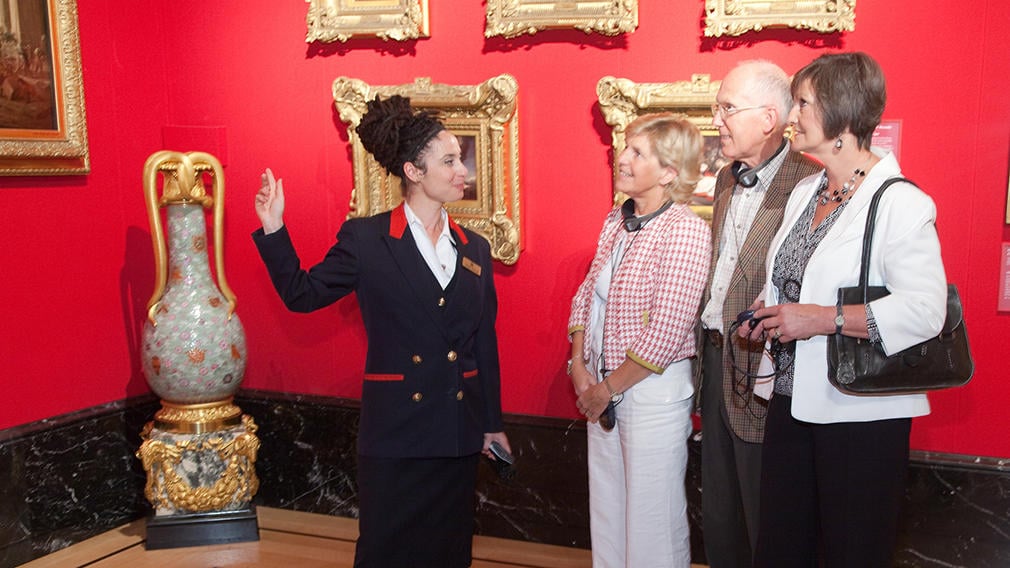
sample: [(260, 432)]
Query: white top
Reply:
[(440, 257)]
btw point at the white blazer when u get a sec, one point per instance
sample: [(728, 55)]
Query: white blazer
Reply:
[(905, 258)]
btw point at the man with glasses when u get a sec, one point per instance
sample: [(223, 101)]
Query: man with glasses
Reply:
[(751, 111)]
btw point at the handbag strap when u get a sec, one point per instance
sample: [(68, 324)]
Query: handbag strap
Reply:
[(871, 219)]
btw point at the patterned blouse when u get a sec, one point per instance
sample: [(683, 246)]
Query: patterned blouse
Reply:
[(787, 275)]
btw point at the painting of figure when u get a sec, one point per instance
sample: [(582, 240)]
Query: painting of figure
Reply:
[(27, 92)]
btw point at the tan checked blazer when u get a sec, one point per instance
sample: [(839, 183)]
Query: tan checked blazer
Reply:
[(746, 417)]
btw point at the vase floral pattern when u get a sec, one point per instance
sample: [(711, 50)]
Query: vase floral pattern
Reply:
[(195, 351)]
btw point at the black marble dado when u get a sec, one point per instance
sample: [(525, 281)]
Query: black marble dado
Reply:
[(956, 513), (68, 478), (306, 460), (307, 463)]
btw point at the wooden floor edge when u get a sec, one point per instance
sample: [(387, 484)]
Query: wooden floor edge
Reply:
[(99, 546), (485, 548), (346, 528)]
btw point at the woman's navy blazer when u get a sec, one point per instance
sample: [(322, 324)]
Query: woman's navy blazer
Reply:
[(431, 383)]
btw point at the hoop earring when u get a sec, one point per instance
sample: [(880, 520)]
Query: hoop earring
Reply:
[(838, 144)]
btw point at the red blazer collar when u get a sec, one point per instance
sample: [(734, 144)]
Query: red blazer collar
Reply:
[(398, 224)]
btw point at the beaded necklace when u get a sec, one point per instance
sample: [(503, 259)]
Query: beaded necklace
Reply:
[(837, 195)]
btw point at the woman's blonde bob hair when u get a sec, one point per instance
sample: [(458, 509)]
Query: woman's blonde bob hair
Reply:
[(677, 144)]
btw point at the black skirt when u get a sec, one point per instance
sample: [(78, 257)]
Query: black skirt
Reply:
[(415, 512)]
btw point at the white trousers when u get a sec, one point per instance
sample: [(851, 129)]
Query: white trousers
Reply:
[(637, 499)]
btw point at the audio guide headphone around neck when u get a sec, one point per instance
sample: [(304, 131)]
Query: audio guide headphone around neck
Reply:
[(633, 223), (748, 177)]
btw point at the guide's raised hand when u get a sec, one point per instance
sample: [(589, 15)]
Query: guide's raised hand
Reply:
[(270, 202)]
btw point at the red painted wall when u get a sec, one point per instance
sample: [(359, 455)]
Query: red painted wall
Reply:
[(77, 254)]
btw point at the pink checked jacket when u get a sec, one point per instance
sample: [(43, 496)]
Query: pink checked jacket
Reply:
[(652, 305)]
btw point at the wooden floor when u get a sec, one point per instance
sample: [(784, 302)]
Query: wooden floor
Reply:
[(288, 539)]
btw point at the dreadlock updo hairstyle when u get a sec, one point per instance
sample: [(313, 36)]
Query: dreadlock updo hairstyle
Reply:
[(395, 134)]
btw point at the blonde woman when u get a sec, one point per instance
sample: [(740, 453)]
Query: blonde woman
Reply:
[(631, 329)]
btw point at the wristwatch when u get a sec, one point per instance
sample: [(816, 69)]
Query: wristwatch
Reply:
[(839, 319), (615, 396)]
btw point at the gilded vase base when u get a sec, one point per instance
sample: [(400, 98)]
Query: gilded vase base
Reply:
[(199, 471)]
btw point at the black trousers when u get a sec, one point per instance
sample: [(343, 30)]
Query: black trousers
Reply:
[(830, 493), (730, 475), (415, 512)]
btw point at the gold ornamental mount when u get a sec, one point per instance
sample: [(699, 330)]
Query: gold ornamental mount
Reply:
[(197, 418)]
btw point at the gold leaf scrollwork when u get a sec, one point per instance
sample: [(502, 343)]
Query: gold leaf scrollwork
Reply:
[(334, 20), (168, 490), (737, 17), (514, 18)]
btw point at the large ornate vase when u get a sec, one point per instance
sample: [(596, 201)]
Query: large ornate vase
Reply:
[(199, 451)]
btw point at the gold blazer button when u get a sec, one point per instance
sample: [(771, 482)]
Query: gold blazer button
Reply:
[(417, 397), (459, 395), (441, 302), (451, 356), (416, 359)]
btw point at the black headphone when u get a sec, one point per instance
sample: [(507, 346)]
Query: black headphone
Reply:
[(633, 223), (748, 177)]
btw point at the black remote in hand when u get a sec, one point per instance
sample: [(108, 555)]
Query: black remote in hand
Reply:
[(503, 462)]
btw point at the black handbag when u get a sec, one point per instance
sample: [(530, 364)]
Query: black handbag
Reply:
[(857, 366)]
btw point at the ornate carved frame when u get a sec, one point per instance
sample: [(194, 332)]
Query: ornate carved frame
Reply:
[(64, 149), (736, 17), (340, 20), (622, 101), (488, 113), (513, 18)]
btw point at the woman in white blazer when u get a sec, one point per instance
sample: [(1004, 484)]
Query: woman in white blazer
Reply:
[(833, 463)]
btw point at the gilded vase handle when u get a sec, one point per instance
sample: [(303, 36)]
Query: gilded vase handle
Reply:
[(183, 175)]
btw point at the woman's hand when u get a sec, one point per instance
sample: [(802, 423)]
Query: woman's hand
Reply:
[(499, 437), (270, 202), (789, 322), (593, 401)]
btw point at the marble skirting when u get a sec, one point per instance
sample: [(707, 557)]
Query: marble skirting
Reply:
[(68, 478)]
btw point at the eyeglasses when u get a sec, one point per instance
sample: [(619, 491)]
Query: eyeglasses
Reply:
[(726, 111)]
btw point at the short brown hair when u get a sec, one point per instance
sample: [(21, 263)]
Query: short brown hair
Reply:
[(851, 93)]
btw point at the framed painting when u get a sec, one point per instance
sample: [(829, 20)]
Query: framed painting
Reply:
[(623, 100), (484, 119), (42, 125), (737, 17), (513, 18), (340, 20)]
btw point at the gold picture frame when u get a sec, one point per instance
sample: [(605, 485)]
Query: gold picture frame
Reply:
[(43, 130), (623, 100), (737, 17), (513, 18), (340, 20), (485, 118)]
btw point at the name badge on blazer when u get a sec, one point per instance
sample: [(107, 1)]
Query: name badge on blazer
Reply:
[(471, 266)]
